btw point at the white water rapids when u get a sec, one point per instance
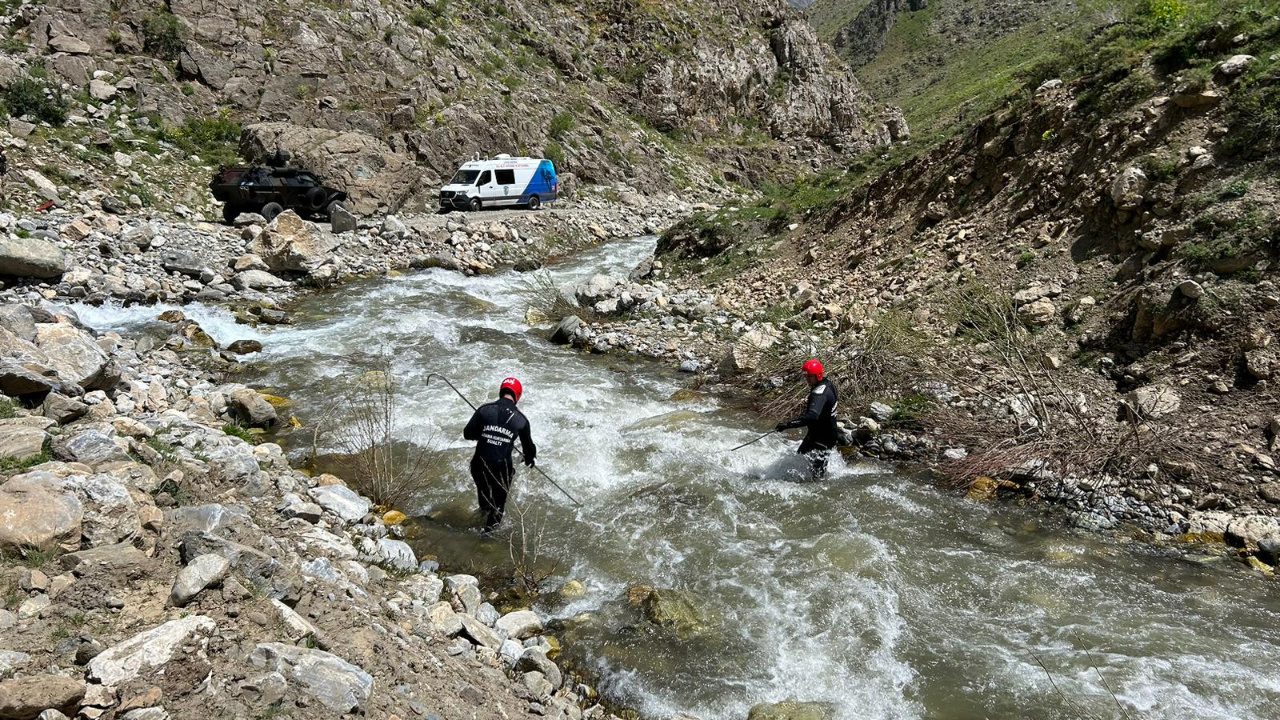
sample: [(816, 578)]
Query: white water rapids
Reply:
[(874, 592)]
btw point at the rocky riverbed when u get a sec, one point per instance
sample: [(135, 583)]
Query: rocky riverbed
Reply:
[(155, 563)]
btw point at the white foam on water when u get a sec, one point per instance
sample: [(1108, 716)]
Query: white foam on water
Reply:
[(885, 598)]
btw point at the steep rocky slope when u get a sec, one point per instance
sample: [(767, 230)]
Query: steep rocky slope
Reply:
[(1077, 296), (660, 96), (946, 61)]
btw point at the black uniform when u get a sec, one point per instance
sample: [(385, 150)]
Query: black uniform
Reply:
[(820, 418), (495, 428)]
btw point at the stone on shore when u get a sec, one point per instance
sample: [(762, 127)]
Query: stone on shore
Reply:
[(341, 501), (27, 697), (520, 624), (335, 683), (147, 650), (31, 257), (200, 573)]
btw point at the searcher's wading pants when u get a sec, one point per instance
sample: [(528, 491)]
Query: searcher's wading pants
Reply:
[(493, 482)]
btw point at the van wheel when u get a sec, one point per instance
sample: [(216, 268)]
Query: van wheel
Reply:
[(474, 205), (271, 210), (534, 202)]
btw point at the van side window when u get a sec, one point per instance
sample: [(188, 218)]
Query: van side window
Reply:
[(505, 177), (484, 178)]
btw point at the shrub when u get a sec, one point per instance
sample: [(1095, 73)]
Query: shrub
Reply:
[(561, 124), (418, 17), (555, 153), (37, 98), (163, 35), (441, 40), (213, 138)]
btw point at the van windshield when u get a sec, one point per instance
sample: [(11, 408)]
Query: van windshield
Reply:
[(465, 177)]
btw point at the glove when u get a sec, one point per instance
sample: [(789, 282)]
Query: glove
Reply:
[(528, 461), (781, 426)]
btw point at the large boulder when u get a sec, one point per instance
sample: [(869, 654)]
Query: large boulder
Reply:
[(253, 409), (375, 177), (21, 440), (72, 353), (1252, 530), (745, 354), (334, 682), (1128, 187), (31, 257), (36, 512), (147, 650), (341, 501), (28, 697), (292, 244)]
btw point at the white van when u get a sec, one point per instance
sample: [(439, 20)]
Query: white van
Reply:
[(504, 181)]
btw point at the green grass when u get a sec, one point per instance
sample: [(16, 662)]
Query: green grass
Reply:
[(8, 409), (237, 431), (215, 139), (13, 464)]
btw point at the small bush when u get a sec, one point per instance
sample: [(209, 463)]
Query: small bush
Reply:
[(418, 17), (555, 153), (213, 138), (237, 431), (561, 124), (163, 35), (36, 98), (441, 40), (1237, 189)]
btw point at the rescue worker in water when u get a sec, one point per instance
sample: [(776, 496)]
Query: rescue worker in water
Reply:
[(495, 427), (820, 418)]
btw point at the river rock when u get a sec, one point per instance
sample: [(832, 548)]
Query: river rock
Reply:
[(534, 660), (1250, 530), (336, 683), (62, 409), (200, 573), (520, 624), (792, 710), (566, 330), (31, 257), (253, 409), (244, 347), (257, 280), (671, 609), (146, 650), (183, 262), (91, 447), (17, 320), (72, 353), (291, 244), (36, 513), (20, 441), (479, 633), (397, 554), (341, 501), (745, 355), (27, 697)]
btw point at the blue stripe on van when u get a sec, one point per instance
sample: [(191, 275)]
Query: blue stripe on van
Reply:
[(544, 183)]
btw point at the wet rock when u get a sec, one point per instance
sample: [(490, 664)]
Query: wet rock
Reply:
[(565, 331), (147, 650), (534, 660), (792, 710), (26, 697), (253, 409), (30, 257), (336, 683), (200, 573), (671, 609)]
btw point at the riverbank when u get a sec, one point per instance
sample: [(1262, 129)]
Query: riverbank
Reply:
[(157, 564)]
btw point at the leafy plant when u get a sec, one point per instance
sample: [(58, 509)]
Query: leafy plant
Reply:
[(239, 431), (36, 98), (560, 124), (163, 35)]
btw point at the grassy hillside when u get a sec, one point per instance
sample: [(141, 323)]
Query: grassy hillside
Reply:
[(828, 16)]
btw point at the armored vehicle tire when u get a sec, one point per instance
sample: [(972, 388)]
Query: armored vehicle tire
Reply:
[(271, 210), (534, 202), (230, 213), (317, 199), (333, 207), (474, 205)]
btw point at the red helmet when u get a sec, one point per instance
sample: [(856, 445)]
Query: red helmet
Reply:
[(814, 368), (514, 386)]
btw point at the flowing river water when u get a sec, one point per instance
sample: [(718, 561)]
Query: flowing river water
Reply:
[(873, 592)]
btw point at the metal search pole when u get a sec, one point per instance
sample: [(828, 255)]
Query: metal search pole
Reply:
[(542, 472), (750, 442)]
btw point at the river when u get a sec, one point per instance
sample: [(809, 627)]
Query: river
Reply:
[(871, 591)]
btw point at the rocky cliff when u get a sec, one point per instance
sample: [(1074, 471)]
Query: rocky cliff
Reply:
[(662, 96)]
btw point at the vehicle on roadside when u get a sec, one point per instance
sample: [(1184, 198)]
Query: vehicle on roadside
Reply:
[(273, 188), (503, 181)]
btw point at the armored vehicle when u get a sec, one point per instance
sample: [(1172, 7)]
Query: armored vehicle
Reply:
[(271, 189)]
